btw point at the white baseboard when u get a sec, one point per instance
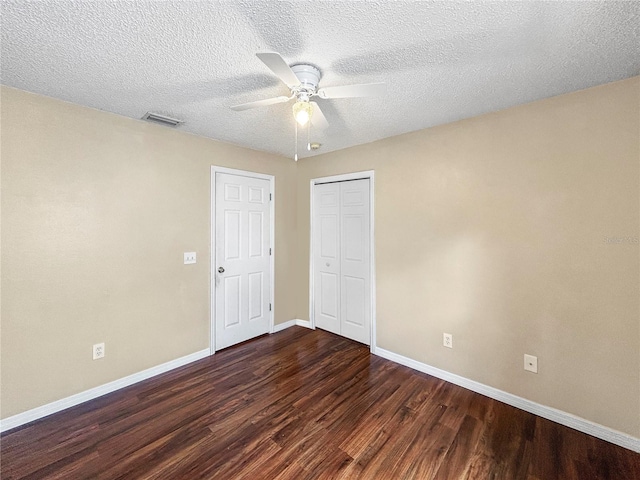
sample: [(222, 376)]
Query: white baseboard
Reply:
[(558, 416), (64, 403), (291, 323), (283, 326), (303, 323)]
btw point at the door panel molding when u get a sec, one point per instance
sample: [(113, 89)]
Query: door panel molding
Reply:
[(212, 252), (368, 174)]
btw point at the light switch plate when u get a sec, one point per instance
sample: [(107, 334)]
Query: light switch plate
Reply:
[(189, 258), (531, 363)]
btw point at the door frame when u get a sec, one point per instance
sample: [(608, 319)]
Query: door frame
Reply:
[(368, 174), (212, 264)]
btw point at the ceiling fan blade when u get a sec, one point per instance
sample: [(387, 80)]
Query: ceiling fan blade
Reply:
[(278, 66), (346, 91), (260, 103), (317, 118)]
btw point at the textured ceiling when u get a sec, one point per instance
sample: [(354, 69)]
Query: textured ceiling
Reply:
[(441, 61)]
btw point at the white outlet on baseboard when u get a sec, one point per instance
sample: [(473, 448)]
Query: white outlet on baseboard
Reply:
[(98, 351), (530, 363), (447, 340)]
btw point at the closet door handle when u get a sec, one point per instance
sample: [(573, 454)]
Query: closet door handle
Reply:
[(220, 269)]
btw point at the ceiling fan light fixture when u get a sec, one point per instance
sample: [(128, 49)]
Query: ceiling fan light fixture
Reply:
[(302, 112), (302, 80)]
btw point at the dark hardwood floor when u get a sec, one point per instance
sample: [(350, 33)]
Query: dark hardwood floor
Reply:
[(303, 404)]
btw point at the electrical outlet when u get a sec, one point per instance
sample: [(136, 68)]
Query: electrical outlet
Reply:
[(530, 363), (98, 351), (189, 258), (447, 340)]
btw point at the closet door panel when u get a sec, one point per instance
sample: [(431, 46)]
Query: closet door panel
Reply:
[(355, 305), (326, 257)]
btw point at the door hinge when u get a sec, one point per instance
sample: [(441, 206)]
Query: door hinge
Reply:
[(270, 196), (269, 251), (269, 307)]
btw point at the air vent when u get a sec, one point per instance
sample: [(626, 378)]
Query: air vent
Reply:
[(161, 119)]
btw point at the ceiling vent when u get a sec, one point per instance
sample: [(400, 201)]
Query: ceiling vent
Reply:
[(161, 119)]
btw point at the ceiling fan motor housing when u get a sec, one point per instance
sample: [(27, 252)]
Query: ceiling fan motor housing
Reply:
[(309, 77)]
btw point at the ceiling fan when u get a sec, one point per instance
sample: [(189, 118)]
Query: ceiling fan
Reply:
[(302, 80)]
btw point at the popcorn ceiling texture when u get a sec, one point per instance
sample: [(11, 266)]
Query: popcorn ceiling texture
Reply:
[(441, 61)]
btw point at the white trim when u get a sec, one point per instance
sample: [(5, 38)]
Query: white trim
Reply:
[(291, 323), (367, 174), (553, 414), (272, 241), (312, 318), (304, 323), (372, 266), (64, 403), (283, 326), (343, 177)]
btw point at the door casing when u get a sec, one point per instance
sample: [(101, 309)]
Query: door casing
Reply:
[(370, 174), (212, 265)]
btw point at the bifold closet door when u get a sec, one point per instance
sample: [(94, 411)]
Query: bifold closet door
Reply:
[(355, 301), (341, 254), (326, 256)]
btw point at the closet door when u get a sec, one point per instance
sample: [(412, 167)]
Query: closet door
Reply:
[(355, 304), (326, 256), (341, 254)]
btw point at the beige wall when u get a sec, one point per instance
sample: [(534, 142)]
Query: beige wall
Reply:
[(493, 229), (97, 210)]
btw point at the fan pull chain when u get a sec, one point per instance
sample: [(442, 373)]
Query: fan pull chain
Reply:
[(295, 157), (308, 134)]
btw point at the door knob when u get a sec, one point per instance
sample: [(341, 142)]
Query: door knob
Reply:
[(220, 269)]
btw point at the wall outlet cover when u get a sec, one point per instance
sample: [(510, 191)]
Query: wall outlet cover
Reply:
[(447, 340), (189, 258), (98, 351), (531, 363)]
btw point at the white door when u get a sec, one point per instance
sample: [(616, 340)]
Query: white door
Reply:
[(242, 264), (342, 298), (326, 256)]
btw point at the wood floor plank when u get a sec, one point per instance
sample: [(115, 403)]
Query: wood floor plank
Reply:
[(455, 462), (303, 405)]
